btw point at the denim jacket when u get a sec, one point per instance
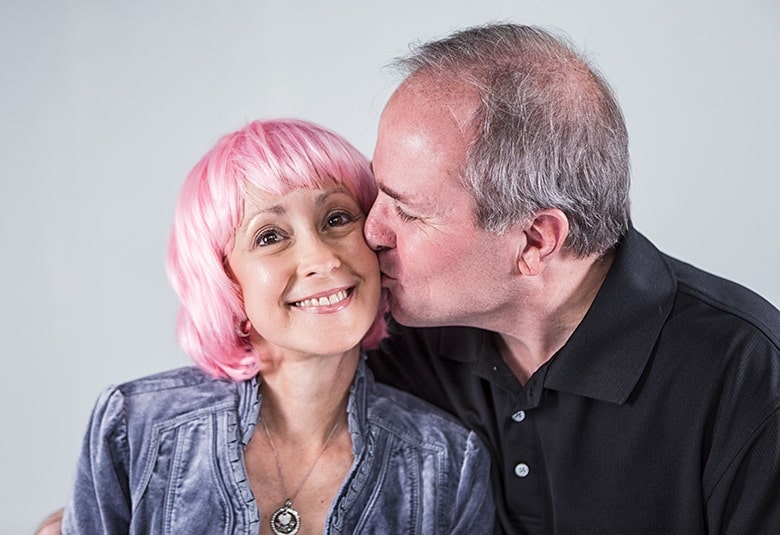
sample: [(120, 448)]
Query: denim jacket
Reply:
[(164, 454)]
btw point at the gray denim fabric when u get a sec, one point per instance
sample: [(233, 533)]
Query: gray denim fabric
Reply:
[(164, 454)]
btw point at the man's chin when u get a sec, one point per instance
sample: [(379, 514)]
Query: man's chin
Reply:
[(408, 317)]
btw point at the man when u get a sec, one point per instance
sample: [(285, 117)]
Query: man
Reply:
[(620, 390)]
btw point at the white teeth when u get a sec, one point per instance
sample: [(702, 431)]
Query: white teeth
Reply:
[(323, 301)]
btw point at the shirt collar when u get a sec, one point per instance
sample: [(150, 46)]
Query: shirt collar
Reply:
[(607, 353)]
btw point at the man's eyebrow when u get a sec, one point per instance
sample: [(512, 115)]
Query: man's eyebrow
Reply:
[(393, 194), (388, 191)]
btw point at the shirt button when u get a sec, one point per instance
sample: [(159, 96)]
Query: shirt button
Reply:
[(519, 416), (521, 469)]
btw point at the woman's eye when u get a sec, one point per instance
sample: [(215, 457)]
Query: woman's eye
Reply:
[(338, 219), (268, 237)]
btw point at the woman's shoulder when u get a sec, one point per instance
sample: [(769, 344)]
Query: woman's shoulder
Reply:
[(170, 381), (165, 396)]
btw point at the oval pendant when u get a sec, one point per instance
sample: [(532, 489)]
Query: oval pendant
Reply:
[(285, 520)]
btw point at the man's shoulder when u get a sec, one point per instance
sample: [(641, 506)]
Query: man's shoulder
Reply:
[(698, 301), (723, 303)]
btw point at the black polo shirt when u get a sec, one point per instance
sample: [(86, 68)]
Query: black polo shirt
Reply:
[(661, 414)]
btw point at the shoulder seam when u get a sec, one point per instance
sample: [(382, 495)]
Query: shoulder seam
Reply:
[(740, 314)]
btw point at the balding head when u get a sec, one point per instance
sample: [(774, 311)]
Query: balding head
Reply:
[(545, 130)]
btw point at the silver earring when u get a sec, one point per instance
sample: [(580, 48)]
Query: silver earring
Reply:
[(244, 329)]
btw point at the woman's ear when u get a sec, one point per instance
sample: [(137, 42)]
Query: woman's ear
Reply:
[(544, 236), (227, 268)]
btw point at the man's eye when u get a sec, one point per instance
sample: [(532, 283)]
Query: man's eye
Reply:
[(406, 218), (268, 237)]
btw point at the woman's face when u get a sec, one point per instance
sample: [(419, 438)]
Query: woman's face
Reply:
[(310, 282)]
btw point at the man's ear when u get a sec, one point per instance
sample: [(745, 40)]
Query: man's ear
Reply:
[(544, 237)]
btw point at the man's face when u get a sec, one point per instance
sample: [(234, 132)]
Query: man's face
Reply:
[(439, 267)]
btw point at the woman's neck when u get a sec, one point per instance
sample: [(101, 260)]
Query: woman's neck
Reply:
[(304, 398), (301, 449)]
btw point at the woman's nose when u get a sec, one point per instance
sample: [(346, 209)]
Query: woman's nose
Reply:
[(316, 256)]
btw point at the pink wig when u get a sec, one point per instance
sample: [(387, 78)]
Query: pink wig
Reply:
[(273, 156)]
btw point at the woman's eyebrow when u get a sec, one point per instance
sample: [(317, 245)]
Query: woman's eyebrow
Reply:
[(275, 209), (322, 197)]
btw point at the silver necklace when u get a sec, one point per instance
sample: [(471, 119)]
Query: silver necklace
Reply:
[(286, 520)]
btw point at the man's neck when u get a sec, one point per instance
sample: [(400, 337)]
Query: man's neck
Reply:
[(545, 322)]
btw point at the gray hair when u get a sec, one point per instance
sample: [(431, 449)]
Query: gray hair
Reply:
[(548, 131)]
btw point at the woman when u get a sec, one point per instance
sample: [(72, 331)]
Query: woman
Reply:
[(281, 428)]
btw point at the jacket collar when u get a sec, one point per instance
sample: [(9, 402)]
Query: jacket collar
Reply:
[(357, 405), (249, 400)]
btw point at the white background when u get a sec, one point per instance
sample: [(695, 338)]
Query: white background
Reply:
[(106, 106)]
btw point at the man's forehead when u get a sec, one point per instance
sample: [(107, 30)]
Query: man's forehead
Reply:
[(437, 95), (425, 126), (409, 193), (422, 144)]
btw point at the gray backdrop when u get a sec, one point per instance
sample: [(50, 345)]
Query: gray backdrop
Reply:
[(107, 105)]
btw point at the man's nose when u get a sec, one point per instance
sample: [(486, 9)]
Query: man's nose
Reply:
[(377, 230)]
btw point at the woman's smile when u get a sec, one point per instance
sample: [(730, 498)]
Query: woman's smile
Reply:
[(326, 303)]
